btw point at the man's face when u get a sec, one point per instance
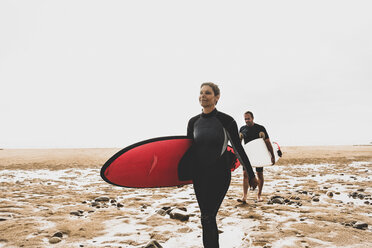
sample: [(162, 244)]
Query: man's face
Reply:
[(248, 120)]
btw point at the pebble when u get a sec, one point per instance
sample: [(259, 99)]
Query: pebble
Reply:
[(179, 215), (54, 240), (102, 199), (315, 199), (360, 225), (77, 213), (153, 244), (162, 212), (58, 235)]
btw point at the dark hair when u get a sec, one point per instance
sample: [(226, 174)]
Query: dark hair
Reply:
[(249, 112), (214, 87)]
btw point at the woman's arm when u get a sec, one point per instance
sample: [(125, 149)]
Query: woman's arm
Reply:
[(234, 138)]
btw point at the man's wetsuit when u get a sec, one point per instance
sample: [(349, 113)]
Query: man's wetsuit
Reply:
[(253, 132), (211, 165)]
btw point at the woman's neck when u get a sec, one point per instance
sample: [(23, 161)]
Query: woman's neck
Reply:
[(208, 109)]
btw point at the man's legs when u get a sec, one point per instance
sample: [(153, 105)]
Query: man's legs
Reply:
[(260, 179)]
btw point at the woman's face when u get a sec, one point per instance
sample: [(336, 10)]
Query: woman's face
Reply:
[(207, 97)]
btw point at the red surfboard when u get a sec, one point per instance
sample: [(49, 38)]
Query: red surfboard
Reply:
[(148, 164)]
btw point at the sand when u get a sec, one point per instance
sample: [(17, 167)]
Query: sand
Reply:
[(323, 193)]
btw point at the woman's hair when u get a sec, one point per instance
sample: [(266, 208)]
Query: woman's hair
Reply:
[(214, 87)]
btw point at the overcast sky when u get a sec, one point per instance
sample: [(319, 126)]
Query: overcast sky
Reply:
[(112, 73)]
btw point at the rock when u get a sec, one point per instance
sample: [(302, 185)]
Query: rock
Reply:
[(366, 202), (315, 199), (95, 204), (54, 240), (168, 210), (153, 244), (119, 205), (360, 225), (361, 196), (354, 195), (77, 213), (301, 191), (179, 215), (352, 223), (58, 235), (278, 200), (162, 212), (330, 194), (361, 190), (102, 199), (183, 209)]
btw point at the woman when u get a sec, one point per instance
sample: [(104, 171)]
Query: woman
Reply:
[(207, 162)]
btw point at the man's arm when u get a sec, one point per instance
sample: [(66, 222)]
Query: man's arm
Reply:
[(271, 150)]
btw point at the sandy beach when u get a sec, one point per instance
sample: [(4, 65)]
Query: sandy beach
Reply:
[(313, 197)]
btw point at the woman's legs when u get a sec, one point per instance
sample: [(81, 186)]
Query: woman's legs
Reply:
[(210, 189)]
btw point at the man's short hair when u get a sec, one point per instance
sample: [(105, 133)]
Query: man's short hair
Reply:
[(249, 112)]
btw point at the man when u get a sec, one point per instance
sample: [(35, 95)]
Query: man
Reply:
[(250, 132)]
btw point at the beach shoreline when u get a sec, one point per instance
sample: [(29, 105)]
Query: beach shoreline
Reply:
[(321, 196)]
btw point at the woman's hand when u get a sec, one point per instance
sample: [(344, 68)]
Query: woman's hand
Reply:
[(253, 183)]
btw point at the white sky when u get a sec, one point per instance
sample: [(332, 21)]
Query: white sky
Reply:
[(112, 73)]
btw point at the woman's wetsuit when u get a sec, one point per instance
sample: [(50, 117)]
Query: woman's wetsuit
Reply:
[(211, 166)]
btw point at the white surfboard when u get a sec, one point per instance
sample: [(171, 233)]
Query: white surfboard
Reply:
[(258, 154)]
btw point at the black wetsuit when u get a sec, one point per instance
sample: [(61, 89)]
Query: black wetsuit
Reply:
[(210, 165), (253, 132)]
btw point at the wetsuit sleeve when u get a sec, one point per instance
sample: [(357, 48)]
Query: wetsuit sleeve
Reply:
[(190, 128), (232, 131)]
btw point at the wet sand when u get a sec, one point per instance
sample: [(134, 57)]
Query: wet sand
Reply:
[(313, 197)]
